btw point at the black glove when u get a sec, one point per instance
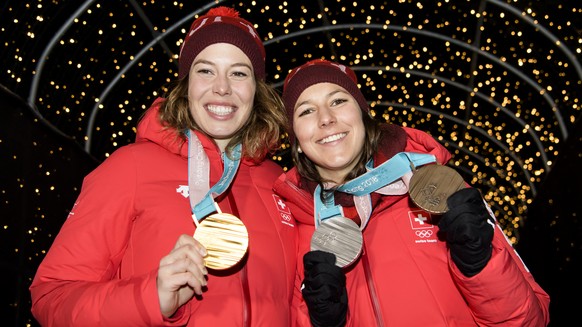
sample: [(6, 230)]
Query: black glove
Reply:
[(469, 231), (324, 289)]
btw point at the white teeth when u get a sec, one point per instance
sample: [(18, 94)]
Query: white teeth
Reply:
[(220, 110), (332, 138)]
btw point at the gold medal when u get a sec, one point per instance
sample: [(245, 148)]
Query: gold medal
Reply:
[(430, 187), (340, 236), (225, 238)]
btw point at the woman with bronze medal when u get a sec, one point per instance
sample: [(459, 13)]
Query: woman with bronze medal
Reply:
[(389, 235), (182, 228)]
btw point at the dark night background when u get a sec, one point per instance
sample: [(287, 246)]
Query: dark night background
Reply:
[(497, 82)]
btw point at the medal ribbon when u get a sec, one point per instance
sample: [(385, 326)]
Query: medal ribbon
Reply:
[(199, 178), (376, 179), (388, 172), (325, 210)]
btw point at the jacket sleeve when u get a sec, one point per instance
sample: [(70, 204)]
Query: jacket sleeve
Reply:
[(77, 284), (504, 293)]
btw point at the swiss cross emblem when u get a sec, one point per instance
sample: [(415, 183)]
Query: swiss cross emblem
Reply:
[(284, 211), (420, 219), (281, 205)]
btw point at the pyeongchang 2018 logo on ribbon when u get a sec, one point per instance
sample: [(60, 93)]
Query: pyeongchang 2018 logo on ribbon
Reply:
[(424, 230)]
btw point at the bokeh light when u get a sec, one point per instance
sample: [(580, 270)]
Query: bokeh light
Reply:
[(497, 82)]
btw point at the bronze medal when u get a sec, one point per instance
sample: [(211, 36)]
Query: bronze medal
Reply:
[(430, 187), (340, 236), (225, 238)]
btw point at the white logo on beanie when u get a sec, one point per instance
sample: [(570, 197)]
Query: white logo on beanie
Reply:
[(251, 30), (202, 23), (340, 67)]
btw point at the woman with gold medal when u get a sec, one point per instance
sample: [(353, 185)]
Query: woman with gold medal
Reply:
[(182, 228), (388, 235)]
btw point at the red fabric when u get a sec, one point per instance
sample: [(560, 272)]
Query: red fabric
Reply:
[(222, 25), (101, 269), (410, 269)]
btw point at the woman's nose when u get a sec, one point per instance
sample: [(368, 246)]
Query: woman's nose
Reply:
[(326, 117), (221, 85)]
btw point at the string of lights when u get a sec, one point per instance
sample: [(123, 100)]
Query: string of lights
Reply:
[(499, 83)]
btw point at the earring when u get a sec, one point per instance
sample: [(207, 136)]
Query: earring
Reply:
[(299, 149)]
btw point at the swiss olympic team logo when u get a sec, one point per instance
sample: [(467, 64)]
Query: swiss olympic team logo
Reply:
[(284, 211), (421, 224)]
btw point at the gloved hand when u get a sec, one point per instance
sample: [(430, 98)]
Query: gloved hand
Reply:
[(324, 289), (469, 231)]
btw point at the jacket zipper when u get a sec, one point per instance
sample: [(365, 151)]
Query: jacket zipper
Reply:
[(247, 297), (372, 289), (365, 263), (300, 191), (244, 280)]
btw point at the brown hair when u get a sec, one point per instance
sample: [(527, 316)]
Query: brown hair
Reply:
[(259, 136)]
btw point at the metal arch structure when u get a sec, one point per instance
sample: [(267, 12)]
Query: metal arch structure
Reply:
[(159, 37), (47, 50), (469, 47), (544, 31), (517, 72), (110, 86), (480, 95)]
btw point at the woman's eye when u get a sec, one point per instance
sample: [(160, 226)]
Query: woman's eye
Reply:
[(336, 102), (240, 74), (304, 112), (204, 71)]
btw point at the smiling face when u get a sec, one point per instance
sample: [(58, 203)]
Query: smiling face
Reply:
[(221, 91), (328, 125)]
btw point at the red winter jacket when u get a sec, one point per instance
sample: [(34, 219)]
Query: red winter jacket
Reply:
[(101, 269), (405, 276)]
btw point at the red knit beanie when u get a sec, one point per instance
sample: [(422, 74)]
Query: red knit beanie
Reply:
[(222, 25), (315, 72)]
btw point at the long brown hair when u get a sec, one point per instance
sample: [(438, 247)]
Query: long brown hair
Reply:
[(259, 136)]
